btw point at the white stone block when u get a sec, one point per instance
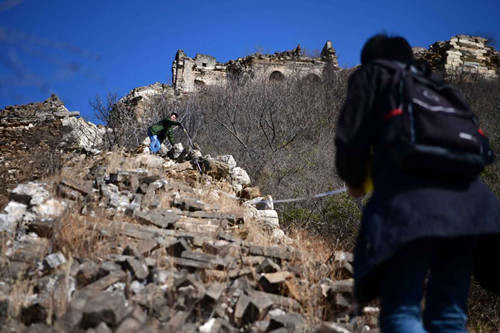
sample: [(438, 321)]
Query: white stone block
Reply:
[(239, 176)]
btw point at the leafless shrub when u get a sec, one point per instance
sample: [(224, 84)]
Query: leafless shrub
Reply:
[(281, 132), (483, 95)]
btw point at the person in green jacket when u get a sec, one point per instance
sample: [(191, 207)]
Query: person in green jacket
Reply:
[(161, 130)]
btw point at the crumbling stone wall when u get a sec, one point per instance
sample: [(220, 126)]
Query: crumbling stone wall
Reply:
[(33, 138), (190, 74), (462, 54), (139, 100)]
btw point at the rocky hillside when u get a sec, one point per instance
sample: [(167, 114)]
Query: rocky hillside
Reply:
[(132, 242), (34, 137)]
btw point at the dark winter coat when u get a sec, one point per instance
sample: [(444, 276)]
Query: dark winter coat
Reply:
[(404, 207), (164, 129)]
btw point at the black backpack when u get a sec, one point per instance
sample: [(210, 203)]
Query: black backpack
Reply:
[(430, 129)]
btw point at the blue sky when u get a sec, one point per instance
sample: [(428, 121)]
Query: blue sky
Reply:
[(79, 49)]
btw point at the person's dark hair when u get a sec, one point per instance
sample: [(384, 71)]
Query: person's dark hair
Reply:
[(382, 46), (174, 114)]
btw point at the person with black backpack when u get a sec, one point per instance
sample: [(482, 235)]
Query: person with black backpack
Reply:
[(430, 219)]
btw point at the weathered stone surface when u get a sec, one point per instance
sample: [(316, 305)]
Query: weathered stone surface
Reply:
[(30, 248), (176, 150), (103, 328), (245, 312), (214, 168), (274, 282), (261, 203), (162, 218), (139, 99), (272, 252), (215, 216), (188, 263), (198, 226), (331, 328), (342, 301), (14, 212), (280, 301), (215, 261), (107, 307), (139, 268), (54, 260), (83, 187), (40, 328), (291, 322), (268, 266), (84, 134), (177, 321), (86, 273), (254, 260), (344, 256), (108, 280), (149, 161), (30, 194), (341, 286), (262, 302), (269, 218), (462, 54), (228, 159), (214, 291), (239, 176), (211, 326), (69, 321), (129, 325), (190, 204)]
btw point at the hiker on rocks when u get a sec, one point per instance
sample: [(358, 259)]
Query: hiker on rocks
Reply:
[(161, 130), (414, 226)]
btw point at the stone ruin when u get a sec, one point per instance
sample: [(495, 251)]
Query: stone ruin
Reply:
[(462, 54), (32, 135), (163, 248), (190, 74)]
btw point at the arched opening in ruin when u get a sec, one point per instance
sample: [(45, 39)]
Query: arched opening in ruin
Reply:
[(312, 78), (277, 76), (199, 84)]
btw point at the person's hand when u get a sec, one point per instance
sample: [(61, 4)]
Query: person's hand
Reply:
[(356, 192), (154, 146)]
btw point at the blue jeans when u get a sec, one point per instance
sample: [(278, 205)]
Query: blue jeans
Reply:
[(448, 265)]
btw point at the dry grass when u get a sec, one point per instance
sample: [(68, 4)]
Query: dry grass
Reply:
[(315, 265), (85, 237)]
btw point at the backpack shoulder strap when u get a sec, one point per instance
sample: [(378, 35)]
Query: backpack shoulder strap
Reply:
[(396, 69)]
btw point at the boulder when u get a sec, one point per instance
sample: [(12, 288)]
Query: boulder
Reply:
[(239, 178), (30, 193), (228, 159), (107, 307), (13, 214), (149, 161)]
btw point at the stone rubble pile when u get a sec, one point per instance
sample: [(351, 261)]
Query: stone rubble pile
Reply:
[(75, 131), (34, 136), (462, 54), (141, 100), (175, 261)]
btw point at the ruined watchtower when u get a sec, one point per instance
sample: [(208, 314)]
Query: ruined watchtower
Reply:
[(190, 74)]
